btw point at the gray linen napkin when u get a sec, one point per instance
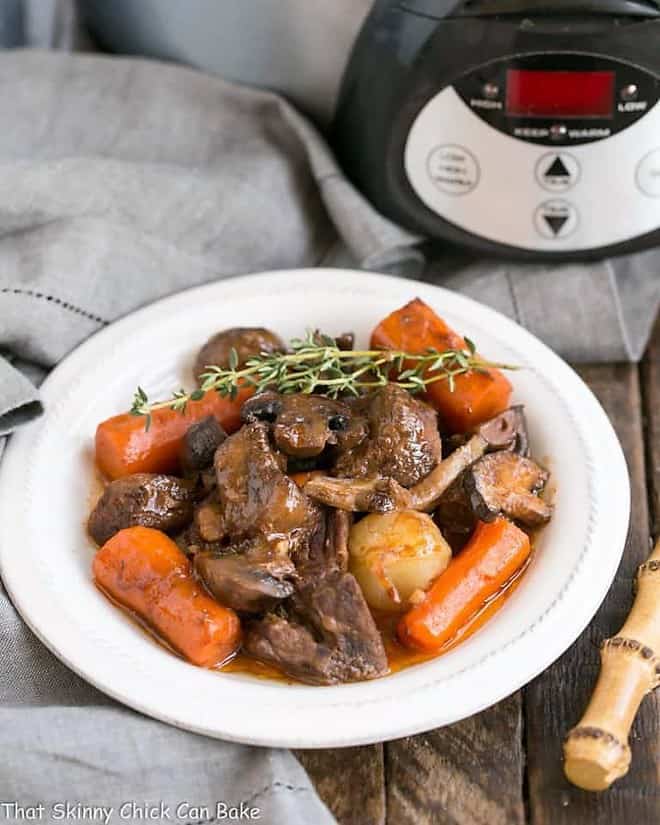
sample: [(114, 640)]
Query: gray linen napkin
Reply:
[(126, 180)]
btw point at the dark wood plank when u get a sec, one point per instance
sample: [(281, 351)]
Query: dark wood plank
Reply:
[(555, 701), (350, 781), (470, 773), (650, 376)]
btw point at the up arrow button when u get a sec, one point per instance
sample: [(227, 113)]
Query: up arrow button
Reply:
[(557, 171)]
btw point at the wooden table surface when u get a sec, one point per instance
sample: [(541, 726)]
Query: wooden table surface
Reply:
[(504, 766)]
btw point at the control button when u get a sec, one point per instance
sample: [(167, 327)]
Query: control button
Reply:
[(556, 219), (558, 131), (629, 92), (453, 169), (648, 174), (491, 90), (557, 171)]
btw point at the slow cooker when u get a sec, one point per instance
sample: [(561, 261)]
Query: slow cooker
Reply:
[(526, 129), (529, 129)]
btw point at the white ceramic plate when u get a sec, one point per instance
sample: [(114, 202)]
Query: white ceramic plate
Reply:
[(47, 475)]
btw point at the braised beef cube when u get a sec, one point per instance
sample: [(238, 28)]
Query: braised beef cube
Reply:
[(403, 442), (329, 638)]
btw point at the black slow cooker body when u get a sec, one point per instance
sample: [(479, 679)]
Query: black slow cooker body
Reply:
[(408, 51)]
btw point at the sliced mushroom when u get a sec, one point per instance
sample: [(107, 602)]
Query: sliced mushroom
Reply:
[(245, 585), (246, 341), (426, 495), (507, 431), (508, 483), (303, 425), (375, 495), (200, 442)]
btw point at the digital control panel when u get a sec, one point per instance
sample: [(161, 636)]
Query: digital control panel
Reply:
[(556, 155), (559, 99)]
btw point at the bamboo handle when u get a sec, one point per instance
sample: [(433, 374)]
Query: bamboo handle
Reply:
[(596, 750)]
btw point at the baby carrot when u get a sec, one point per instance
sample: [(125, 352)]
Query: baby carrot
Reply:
[(143, 570), (125, 446), (476, 397), (491, 557)]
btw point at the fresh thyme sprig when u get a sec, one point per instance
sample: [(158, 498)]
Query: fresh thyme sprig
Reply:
[(315, 364)]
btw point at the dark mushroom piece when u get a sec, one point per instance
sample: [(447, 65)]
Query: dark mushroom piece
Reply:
[(246, 341), (200, 442), (454, 514), (508, 483), (345, 341), (244, 584), (507, 431), (304, 425), (144, 499)]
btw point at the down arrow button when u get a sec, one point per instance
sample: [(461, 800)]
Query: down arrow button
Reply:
[(556, 219)]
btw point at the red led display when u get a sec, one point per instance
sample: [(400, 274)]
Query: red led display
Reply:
[(559, 94)]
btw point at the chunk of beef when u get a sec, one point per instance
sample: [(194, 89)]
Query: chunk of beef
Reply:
[(303, 425), (329, 638), (200, 442), (403, 443), (326, 548), (146, 500), (256, 498), (247, 341)]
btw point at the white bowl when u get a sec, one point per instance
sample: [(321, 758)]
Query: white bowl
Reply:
[(47, 475)]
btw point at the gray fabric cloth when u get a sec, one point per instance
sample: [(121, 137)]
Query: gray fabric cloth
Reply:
[(126, 180)]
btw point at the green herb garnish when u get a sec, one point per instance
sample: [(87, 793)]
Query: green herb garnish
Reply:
[(315, 364)]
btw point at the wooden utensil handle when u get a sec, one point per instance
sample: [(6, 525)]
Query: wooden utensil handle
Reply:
[(596, 750)]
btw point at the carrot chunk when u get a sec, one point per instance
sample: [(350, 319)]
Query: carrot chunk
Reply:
[(476, 397), (124, 445), (143, 570), (492, 556)]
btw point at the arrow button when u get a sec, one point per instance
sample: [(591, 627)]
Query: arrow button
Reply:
[(555, 222), (557, 171), (556, 219)]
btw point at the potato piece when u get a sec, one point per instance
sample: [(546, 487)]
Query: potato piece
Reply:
[(392, 555)]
